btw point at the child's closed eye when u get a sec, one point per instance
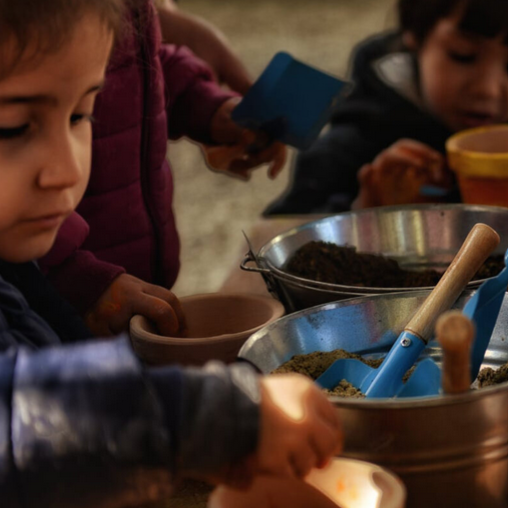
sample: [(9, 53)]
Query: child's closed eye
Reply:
[(462, 58), (78, 118), (13, 132)]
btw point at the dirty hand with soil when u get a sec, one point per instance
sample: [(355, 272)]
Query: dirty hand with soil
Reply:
[(128, 296)]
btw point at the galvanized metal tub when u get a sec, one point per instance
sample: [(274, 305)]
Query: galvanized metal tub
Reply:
[(417, 236), (450, 451)]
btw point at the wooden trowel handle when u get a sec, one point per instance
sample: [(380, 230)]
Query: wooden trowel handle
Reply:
[(455, 332), (480, 242)]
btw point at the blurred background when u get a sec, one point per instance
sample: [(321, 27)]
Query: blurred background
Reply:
[(212, 209)]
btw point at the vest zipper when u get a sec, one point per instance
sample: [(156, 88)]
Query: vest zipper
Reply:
[(156, 262)]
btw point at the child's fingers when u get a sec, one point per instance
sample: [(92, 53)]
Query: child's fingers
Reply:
[(327, 411), (240, 168), (324, 444), (278, 161), (410, 153), (159, 312), (303, 459), (418, 148), (169, 297), (219, 157), (330, 438), (99, 327), (389, 159)]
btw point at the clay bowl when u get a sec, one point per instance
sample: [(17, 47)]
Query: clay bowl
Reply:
[(218, 325), (344, 483)]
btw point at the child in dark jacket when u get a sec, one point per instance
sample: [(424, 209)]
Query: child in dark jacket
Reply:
[(85, 424), (443, 70)]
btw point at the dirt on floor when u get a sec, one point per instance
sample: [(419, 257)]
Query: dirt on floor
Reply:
[(212, 209)]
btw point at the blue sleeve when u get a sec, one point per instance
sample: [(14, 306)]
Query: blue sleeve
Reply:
[(85, 424), (219, 418)]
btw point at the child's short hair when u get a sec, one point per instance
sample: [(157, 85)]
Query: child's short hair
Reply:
[(488, 18), (46, 24)]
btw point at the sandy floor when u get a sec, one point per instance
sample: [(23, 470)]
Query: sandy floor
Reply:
[(213, 209)]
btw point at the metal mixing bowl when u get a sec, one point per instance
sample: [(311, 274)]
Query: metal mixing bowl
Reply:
[(450, 451), (417, 236)]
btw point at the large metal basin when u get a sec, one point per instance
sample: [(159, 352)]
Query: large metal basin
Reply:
[(450, 451), (417, 236)]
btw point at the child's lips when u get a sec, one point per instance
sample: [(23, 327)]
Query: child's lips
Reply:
[(477, 119), (49, 221)]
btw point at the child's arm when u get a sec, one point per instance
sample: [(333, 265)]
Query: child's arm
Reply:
[(397, 174), (107, 297), (83, 424), (206, 41), (197, 107)]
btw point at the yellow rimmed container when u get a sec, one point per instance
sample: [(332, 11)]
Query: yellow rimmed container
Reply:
[(479, 158)]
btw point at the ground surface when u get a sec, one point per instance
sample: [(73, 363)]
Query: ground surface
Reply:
[(213, 209)]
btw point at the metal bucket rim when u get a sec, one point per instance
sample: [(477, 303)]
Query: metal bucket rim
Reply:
[(402, 404), (310, 284)]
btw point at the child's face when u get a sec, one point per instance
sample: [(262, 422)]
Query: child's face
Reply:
[(463, 77), (46, 105)]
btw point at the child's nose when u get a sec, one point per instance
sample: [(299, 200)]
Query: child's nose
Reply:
[(62, 167), (490, 83)]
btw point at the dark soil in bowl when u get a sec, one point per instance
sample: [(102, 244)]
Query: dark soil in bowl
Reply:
[(334, 264), (491, 377)]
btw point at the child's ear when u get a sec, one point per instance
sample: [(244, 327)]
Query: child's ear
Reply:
[(410, 41)]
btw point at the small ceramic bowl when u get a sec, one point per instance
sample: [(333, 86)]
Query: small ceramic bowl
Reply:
[(345, 483), (218, 325), (479, 158)]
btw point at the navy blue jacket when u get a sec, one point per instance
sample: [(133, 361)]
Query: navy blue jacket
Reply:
[(85, 424)]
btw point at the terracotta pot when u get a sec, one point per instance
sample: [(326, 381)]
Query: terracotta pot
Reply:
[(344, 483), (218, 325), (479, 157)]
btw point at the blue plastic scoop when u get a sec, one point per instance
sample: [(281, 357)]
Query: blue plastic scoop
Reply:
[(291, 101), (483, 309), (387, 380)]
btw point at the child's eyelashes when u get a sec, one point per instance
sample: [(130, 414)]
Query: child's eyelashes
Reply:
[(78, 118), (13, 132), (462, 58), (7, 133)]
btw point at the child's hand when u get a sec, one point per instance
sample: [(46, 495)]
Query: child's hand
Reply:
[(128, 296), (241, 150), (397, 174), (300, 428)]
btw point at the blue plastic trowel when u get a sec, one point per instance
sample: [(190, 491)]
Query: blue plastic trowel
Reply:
[(387, 380), (290, 102), (483, 310)]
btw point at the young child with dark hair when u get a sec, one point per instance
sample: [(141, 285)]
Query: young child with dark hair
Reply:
[(443, 70), (85, 424)]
